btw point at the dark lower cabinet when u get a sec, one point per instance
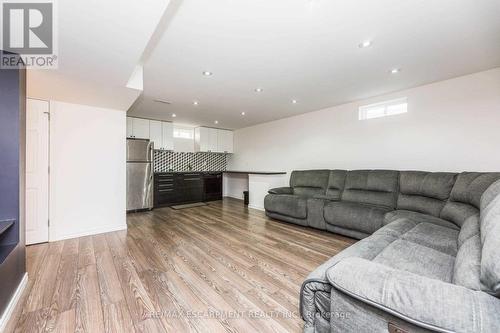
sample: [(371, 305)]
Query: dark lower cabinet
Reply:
[(181, 188)]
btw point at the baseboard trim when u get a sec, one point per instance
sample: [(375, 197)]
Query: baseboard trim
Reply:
[(13, 302), (229, 195), (90, 232), (256, 207)]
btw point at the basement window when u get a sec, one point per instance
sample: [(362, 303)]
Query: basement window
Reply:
[(183, 133), (383, 109)]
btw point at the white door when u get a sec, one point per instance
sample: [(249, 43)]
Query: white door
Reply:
[(167, 135), (141, 128), (37, 171), (155, 134)]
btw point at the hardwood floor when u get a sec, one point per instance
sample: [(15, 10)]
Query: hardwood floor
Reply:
[(217, 268)]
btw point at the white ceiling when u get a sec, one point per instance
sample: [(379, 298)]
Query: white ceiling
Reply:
[(100, 43), (305, 50)]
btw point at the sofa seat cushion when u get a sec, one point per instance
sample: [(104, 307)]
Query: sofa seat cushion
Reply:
[(413, 247), (287, 204), (417, 217), (426, 249), (355, 216), (415, 258)]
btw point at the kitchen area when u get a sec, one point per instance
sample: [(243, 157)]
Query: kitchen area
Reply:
[(170, 165)]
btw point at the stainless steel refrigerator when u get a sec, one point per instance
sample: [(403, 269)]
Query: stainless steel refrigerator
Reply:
[(139, 174)]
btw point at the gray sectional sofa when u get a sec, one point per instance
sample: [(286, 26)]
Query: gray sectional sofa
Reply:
[(428, 258)]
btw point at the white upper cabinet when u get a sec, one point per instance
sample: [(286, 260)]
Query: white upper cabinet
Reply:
[(137, 128), (213, 140), (130, 127), (201, 139), (167, 135), (225, 141), (156, 134), (161, 133)]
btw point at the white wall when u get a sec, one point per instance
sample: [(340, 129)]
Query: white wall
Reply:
[(451, 125), (234, 184), (88, 170)]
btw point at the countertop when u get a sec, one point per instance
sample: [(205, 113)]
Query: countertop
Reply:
[(228, 171), (256, 172), (192, 171)]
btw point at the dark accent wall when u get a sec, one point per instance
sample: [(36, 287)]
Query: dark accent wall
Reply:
[(12, 181)]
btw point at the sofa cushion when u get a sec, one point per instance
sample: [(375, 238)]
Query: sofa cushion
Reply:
[(424, 192), (418, 258), (427, 249), (286, 204), (466, 195), (416, 217), (354, 216), (336, 183), (375, 187), (490, 239), (369, 248), (309, 182)]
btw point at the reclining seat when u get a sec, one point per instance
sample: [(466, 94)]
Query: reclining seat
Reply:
[(366, 198), (418, 273), (422, 196), (290, 203)]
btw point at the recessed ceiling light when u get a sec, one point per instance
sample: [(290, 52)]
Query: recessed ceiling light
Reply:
[(258, 89), (216, 122), (366, 43), (174, 115), (395, 70), (294, 101), (207, 73), (196, 103), (243, 113)]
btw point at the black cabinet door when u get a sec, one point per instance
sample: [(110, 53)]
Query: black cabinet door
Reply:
[(190, 186), (213, 187)]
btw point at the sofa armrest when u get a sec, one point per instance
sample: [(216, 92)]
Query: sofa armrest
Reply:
[(422, 301), (281, 190)]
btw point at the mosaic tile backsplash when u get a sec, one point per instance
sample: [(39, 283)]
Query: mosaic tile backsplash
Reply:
[(174, 161)]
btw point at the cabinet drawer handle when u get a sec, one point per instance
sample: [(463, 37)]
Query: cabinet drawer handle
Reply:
[(167, 190), (192, 179)]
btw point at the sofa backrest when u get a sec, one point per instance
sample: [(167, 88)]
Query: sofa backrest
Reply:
[(424, 192), (309, 182), (336, 184), (465, 197), (490, 240), (375, 187)]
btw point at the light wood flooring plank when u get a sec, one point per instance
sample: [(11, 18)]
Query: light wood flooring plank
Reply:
[(218, 268)]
